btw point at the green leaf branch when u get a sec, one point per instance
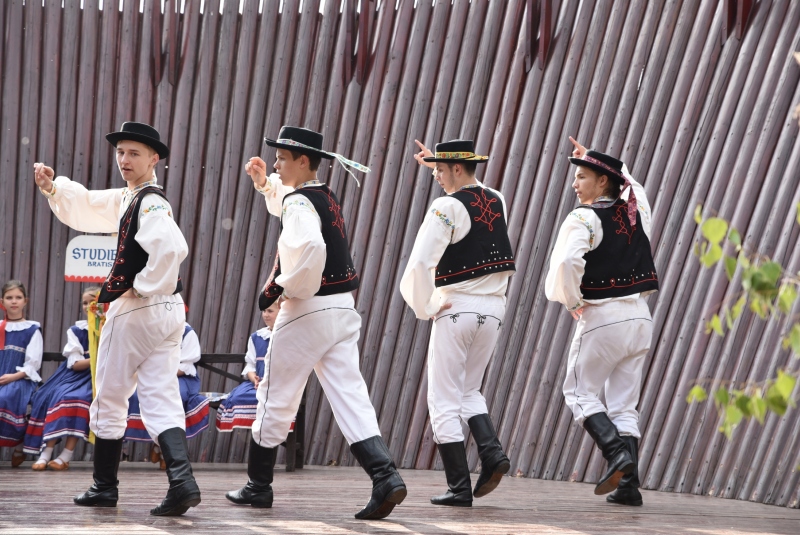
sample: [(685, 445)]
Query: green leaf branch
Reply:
[(769, 291)]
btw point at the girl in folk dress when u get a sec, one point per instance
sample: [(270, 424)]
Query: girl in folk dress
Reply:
[(238, 410), (195, 405), (20, 358), (60, 408)]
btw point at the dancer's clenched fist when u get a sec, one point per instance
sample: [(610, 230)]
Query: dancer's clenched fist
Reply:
[(257, 169), (43, 176)]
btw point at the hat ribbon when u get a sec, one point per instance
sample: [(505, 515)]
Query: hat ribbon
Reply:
[(345, 163), (632, 206)]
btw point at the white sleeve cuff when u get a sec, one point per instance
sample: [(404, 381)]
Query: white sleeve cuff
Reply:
[(30, 372), (188, 368)]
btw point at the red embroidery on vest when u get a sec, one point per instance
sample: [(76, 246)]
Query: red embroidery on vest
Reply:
[(484, 204), (338, 220), (622, 212)]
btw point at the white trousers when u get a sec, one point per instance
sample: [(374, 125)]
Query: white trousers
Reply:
[(140, 346), (462, 341), (608, 350), (319, 334)]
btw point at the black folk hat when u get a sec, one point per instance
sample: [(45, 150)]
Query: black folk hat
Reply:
[(300, 140), (459, 150), (601, 163), (143, 133)]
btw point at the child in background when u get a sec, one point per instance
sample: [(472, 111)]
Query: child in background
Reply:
[(238, 410), (195, 406), (21, 349), (60, 408)]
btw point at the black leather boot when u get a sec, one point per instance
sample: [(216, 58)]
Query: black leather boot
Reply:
[(456, 470), (627, 492), (494, 463), (388, 488), (103, 493), (607, 438), (260, 468), (183, 491)]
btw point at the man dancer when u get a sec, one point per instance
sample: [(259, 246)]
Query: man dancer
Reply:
[(601, 269), (457, 276), (140, 342), (317, 327)]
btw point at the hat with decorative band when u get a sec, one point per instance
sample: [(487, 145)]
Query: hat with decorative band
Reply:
[(307, 141), (143, 133), (459, 150), (601, 163), (300, 140)]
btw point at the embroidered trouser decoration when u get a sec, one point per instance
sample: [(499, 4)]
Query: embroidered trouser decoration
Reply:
[(462, 341)]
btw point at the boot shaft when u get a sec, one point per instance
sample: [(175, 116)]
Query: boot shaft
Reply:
[(175, 451), (107, 455), (456, 468), (490, 450), (605, 435), (374, 457), (261, 464), (631, 481)]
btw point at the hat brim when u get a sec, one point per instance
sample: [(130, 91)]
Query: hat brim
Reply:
[(301, 150), (477, 159), (596, 168), (160, 148)]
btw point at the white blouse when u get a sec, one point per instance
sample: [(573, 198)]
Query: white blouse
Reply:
[(34, 351), (73, 350), (447, 221), (250, 357), (580, 233), (190, 353), (99, 211)]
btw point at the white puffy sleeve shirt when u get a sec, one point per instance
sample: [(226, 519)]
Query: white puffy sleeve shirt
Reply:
[(301, 249), (165, 245), (190, 353), (274, 191), (96, 211), (99, 211), (73, 349), (447, 221), (34, 351), (580, 233)]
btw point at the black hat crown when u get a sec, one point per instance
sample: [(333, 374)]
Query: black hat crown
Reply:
[(300, 140), (141, 132), (601, 163), (459, 150)]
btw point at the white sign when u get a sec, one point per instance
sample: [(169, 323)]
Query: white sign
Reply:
[(90, 258)]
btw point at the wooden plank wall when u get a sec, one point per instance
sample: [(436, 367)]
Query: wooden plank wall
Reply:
[(697, 118)]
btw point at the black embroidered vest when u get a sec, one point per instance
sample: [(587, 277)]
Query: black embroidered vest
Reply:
[(622, 264), (131, 258), (339, 275), (485, 249)]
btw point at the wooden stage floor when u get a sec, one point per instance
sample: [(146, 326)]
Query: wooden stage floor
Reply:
[(322, 500)]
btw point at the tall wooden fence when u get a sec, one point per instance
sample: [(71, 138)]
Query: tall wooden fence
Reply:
[(699, 117)]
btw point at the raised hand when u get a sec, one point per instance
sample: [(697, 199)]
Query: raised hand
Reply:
[(257, 169), (579, 151), (424, 152), (43, 176)]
